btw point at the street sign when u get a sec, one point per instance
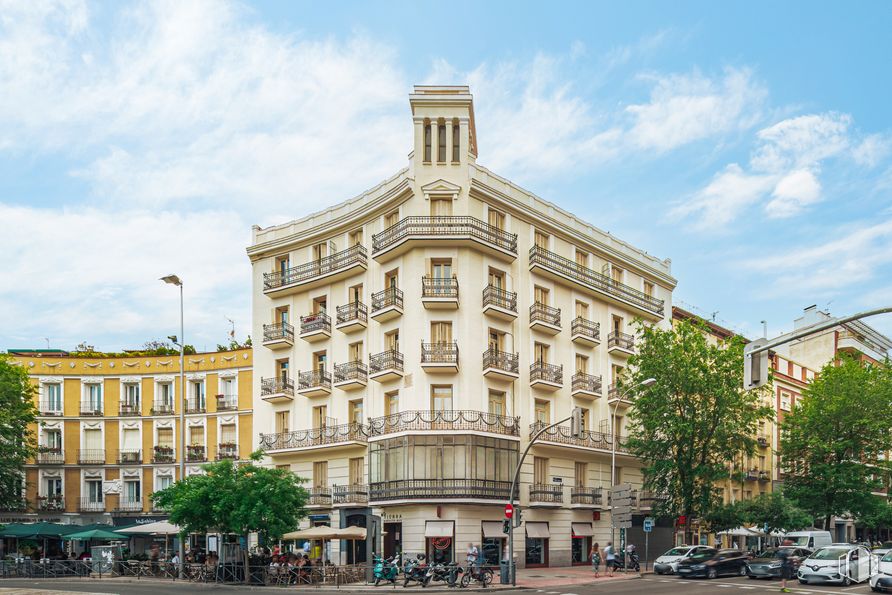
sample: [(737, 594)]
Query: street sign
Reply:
[(648, 525), (509, 511)]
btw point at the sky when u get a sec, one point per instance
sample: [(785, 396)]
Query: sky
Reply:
[(749, 142)]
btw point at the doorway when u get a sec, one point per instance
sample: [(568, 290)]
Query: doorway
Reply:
[(393, 543)]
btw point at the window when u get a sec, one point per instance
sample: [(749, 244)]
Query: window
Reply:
[(52, 486), (356, 237), (355, 408), (456, 142), (132, 491), (580, 474), (357, 476), (196, 436), (441, 269), (282, 425), (282, 368), (165, 396), (581, 258), (786, 400), (162, 482), (320, 416), (617, 324), (441, 332), (540, 239), (228, 434), (129, 444), (441, 398), (93, 440), (320, 474), (165, 437), (496, 278), (497, 403), (227, 387), (582, 310), (53, 396), (581, 363), (93, 489), (540, 353), (283, 263), (617, 372), (542, 411), (540, 470), (497, 219), (391, 219), (320, 251), (496, 340), (441, 143), (53, 439), (427, 143), (392, 341), (540, 295), (131, 395), (616, 274), (355, 294), (648, 289), (584, 419), (93, 394), (320, 305), (196, 394), (392, 279), (392, 403), (441, 207), (354, 351)]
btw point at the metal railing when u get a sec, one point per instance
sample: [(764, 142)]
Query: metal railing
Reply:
[(162, 408), (338, 261), (313, 379), (439, 353), (196, 406), (91, 408), (278, 331), (594, 280), (501, 360), (93, 456), (91, 505), (50, 456), (453, 420), (129, 505), (350, 494), (546, 492), (547, 372), (438, 287), (539, 312), (196, 453), (589, 439), (351, 371), (386, 360), (51, 503), (392, 296), (585, 495), (128, 409), (621, 340), (494, 296), (334, 434), (444, 226), (319, 496), (585, 328), (50, 408), (126, 457), (586, 382), (163, 454), (277, 385), (313, 323), (439, 489), (354, 311), (227, 402), (227, 450), (614, 392)]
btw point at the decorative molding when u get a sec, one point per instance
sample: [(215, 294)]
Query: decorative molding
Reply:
[(51, 425), (148, 363), (130, 364), (91, 380), (130, 380), (50, 380), (228, 420), (195, 422), (96, 365), (164, 423), (92, 473), (197, 376), (167, 363), (131, 473), (71, 365), (196, 361), (164, 379), (91, 425), (51, 472), (228, 358), (130, 425), (111, 364), (441, 187), (164, 472), (51, 365), (227, 373), (245, 356), (213, 359)]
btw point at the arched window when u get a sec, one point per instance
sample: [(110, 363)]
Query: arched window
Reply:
[(456, 142), (427, 142), (441, 143)]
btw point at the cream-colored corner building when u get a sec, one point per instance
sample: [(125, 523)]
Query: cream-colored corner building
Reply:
[(105, 417), (411, 338)]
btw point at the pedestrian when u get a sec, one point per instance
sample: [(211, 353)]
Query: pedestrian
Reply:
[(596, 559), (610, 558), (786, 565), (471, 558)]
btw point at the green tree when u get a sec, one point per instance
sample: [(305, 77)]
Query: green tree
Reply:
[(694, 419), (724, 517), (832, 444), (17, 441), (880, 516), (775, 512)]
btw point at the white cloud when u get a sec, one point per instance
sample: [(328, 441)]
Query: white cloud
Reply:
[(793, 192), (729, 192), (872, 150), (801, 141)]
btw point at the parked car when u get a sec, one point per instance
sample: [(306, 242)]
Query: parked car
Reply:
[(882, 549), (768, 563), (839, 563), (881, 582), (712, 563), (668, 562), (812, 540)]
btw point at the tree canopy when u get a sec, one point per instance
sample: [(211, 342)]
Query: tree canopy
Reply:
[(694, 419), (833, 444), (767, 512), (17, 440)]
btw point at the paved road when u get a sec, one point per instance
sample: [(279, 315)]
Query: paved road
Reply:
[(671, 585)]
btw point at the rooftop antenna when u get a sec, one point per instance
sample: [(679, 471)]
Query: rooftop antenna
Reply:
[(714, 315), (47, 339)]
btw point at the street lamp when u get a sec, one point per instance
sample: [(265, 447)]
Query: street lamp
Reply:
[(174, 280)]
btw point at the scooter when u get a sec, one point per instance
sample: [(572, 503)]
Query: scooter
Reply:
[(634, 562), (415, 570), (385, 570)]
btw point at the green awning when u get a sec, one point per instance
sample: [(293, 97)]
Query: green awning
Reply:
[(101, 534)]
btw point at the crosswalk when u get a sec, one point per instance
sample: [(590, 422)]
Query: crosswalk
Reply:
[(771, 587)]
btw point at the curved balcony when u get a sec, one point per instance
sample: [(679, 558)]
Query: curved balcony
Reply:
[(386, 366), (546, 494), (548, 377), (352, 317), (438, 293), (589, 440), (440, 358), (500, 303), (387, 304), (545, 319), (500, 365), (339, 265), (315, 327), (449, 230), (350, 495), (585, 385), (585, 332), (620, 343), (448, 420), (278, 335), (351, 375), (554, 266), (277, 389), (314, 383), (439, 489), (327, 436)]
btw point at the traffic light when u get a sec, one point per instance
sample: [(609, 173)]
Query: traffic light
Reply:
[(576, 426), (506, 526), (755, 367), (518, 516)]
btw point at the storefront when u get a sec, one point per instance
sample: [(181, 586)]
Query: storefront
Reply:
[(492, 546), (536, 548), (439, 537), (581, 543)]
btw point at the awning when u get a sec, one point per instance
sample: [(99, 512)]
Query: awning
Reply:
[(493, 530), (156, 528), (319, 532), (438, 529), (354, 533), (538, 530), (582, 529)]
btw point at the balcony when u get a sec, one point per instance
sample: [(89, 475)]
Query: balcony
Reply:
[(448, 420), (583, 497), (500, 365), (546, 376), (91, 408), (752, 475), (621, 343), (314, 383), (163, 454), (47, 455), (128, 409), (196, 453), (162, 408), (277, 390), (618, 397), (227, 402), (94, 456), (762, 441), (278, 335), (439, 358), (386, 366), (315, 327), (557, 267), (51, 503), (452, 231), (196, 405), (545, 319), (590, 440), (437, 490), (129, 457), (351, 375), (585, 385), (339, 265), (585, 332), (327, 436), (499, 303), (546, 495), (352, 317), (49, 408), (764, 476), (130, 506), (91, 505), (227, 450), (319, 497), (350, 495), (387, 304), (439, 294)]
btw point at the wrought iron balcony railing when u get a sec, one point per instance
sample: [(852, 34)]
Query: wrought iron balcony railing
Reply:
[(439, 353), (439, 489), (276, 385), (128, 409), (355, 371), (354, 311), (50, 455), (546, 492), (129, 505), (227, 402), (162, 408), (386, 360), (196, 453), (594, 280), (586, 382), (51, 503), (93, 408), (91, 456), (589, 439), (621, 340), (501, 360), (314, 437), (437, 287), (585, 328), (227, 450), (163, 454), (445, 226), (313, 379), (494, 296), (129, 457), (586, 495), (314, 323), (350, 494), (392, 296), (91, 505), (196, 405), (540, 371), (319, 496), (451, 420), (539, 312), (50, 408), (330, 264), (279, 331)]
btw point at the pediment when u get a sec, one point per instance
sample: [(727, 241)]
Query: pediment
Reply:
[(441, 187)]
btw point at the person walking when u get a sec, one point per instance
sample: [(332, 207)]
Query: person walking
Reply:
[(610, 557), (596, 559), (787, 569)]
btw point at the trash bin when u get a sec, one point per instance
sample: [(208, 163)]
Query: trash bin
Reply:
[(505, 572)]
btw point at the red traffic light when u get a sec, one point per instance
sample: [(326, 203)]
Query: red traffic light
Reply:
[(509, 511)]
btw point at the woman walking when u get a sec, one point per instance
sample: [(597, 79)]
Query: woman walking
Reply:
[(596, 560)]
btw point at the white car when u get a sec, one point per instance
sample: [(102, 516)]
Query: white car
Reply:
[(839, 563), (668, 562), (881, 582)]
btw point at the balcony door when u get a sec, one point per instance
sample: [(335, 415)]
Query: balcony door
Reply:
[(94, 396), (581, 364), (542, 412), (52, 486), (497, 403), (93, 442), (282, 369), (282, 425), (129, 445), (392, 279), (93, 489), (53, 397), (132, 491), (198, 401), (441, 333), (357, 477), (540, 295), (582, 310), (282, 315), (320, 305), (540, 353), (496, 219), (53, 440), (320, 416), (392, 341), (441, 398), (320, 360), (441, 207), (496, 340), (320, 251), (496, 279), (320, 474), (540, 470), (131, 398), (196, 436), (355, 294)]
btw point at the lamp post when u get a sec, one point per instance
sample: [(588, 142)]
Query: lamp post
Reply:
[(174, 280)]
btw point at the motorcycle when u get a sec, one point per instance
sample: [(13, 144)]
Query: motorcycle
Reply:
[(448, 573), (634, 563), (414, 570), (385, 570), (479, 574)]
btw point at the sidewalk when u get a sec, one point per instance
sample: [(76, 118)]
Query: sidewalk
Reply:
[(540, 578)]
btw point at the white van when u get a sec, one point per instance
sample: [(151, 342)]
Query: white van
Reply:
[(809, 539)]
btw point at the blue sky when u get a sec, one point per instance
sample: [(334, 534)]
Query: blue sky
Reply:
[(749, 142)]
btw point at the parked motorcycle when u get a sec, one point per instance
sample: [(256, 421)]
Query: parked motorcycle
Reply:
[(634, 562), (415, 570), (448, 573), (385, 570), (479, 574)]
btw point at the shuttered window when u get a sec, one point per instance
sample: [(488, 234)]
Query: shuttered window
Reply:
[(227, 433), (165, 437)]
